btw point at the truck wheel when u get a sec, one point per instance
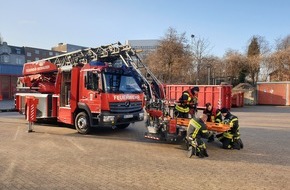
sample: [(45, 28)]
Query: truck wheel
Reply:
[(123, 126), (82, 123)]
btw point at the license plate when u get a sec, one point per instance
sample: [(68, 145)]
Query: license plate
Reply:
[(128, 116)]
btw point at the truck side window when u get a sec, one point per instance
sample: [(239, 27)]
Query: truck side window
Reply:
[(92, 81), (65, 89)]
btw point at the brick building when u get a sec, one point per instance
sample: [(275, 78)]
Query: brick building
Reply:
[(35, 54), (12, 59), (63, 47)]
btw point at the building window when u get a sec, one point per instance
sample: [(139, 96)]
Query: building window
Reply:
[(18, 61), (36, 51), (28, 54), (18, 51), (5, 49), (56, 54), (50, 53), (6, 58), (37, 58)]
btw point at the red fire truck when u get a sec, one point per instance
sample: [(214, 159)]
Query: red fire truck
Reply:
[(93, 87)]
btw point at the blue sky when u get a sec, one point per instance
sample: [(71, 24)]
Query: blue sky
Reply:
[(224, 23)]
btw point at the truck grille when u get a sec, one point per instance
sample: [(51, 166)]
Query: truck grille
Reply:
[(125, 107)]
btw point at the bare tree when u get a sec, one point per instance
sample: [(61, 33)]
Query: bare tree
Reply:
[(209, 69), (235, 66), (283, 43), (278, 63), (172, 58), (217, 69), (281, 64), (200, 50), (265, 52), (257, 50)]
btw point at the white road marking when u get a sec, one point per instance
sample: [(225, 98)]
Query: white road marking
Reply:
[(76, 145), (16, 134)]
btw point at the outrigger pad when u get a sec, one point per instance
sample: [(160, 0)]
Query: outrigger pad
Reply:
[(153, 136), (162, 137)]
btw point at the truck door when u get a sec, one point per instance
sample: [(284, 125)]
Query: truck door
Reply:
[(64, 114), (90, 91)]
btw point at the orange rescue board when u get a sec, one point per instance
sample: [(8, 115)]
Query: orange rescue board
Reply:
[(211, 126), (218, 127), (183, 121)]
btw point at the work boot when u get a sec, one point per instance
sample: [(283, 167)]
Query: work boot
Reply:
[(241, 143), (201, 153), (227, 146), (205, 152), (210, 138), (237, 144)]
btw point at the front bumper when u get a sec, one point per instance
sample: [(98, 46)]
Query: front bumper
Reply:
[(108, 119)]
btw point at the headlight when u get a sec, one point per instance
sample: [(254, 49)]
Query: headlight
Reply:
[(108, 118), (141, 116)]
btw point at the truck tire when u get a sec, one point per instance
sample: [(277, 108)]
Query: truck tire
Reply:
[(123, 126), (82, 123)]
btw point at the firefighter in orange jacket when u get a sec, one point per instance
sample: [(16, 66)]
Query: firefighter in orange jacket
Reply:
[(187, 103)]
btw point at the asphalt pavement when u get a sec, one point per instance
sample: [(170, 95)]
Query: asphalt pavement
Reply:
[(57, 157)]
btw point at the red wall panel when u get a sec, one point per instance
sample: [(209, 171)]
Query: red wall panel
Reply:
[(274, 93), (218, 95)]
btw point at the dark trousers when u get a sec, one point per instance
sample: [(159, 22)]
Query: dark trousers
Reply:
[(233, 143)]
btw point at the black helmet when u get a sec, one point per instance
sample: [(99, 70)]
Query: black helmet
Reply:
[(224, 110), (196, 88)]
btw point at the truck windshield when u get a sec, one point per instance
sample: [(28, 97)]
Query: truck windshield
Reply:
[(117, 83)]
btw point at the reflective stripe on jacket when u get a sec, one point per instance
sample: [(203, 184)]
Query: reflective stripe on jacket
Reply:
[(194, 127)]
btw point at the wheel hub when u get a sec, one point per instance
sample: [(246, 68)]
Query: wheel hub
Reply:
[(82, 123)]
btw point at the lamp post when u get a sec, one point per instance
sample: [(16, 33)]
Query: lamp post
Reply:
[(208, 73), (192, 38), (197, 68)]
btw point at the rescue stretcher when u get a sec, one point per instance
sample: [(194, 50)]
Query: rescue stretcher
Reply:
[(217, 127), (174, 129), (211, 126)]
